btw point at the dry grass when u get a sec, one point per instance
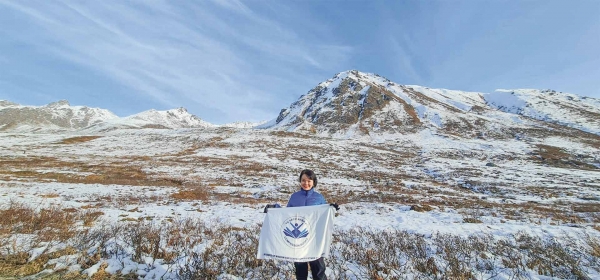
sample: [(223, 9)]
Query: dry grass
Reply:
[(429, 198), (52, 225), (20, 219), (18, 265), (78, 139), (470, 220), (558, 157), (547, 152), (207, 191), (445, 258), (214, 142), (241, 198), (49, 195), (245, 167), (421, 208), (118, 173), (286, 134), (587, 208), (89, 217), (197, 193)]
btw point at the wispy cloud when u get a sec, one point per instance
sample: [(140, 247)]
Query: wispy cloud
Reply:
[(227, 60), (204, 54), (403, 57)]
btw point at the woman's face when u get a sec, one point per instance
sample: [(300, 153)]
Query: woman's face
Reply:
[(306, 183)]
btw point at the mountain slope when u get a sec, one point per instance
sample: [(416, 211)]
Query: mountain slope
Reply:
[(353, 102), (547, 105)]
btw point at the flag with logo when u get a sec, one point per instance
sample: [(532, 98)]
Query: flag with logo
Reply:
[(299, 234)]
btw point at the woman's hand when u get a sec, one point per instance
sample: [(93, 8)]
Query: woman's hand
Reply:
[(276, 205)]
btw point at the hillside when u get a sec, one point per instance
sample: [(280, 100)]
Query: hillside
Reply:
[(432, 183)]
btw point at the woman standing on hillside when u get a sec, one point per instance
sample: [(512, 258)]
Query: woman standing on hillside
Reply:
[(307, 196)]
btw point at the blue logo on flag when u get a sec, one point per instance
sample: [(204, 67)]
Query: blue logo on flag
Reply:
[(295, 232)]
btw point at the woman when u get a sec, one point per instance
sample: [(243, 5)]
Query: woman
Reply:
[(307, 196)]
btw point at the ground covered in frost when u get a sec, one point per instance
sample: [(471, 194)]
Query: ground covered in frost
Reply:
[(424, 184)]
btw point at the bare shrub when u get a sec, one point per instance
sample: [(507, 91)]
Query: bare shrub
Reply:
[(549, 257), (232, 251), (90, 216), (456, 256), (380, 255), (193, 249), (48, 224), (145, 239)]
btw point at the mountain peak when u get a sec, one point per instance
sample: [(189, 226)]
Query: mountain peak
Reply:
[(180, 110), (357, 76), (59, 103), (351, 101), (6, 103), (173, 118)]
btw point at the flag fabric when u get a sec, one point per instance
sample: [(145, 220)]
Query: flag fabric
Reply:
[(299, 234)]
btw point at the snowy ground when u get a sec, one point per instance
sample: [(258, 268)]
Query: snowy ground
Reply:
[(497, 182)]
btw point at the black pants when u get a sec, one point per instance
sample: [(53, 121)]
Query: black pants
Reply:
[(317, 267)]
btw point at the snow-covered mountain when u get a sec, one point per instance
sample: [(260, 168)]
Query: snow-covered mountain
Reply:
[(175, 118), (62, 116), (56, 115), (353, 102), (169, 119), (548, 105), (243, 124)]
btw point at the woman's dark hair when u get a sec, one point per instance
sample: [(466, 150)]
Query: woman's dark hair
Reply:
[(310, 174)]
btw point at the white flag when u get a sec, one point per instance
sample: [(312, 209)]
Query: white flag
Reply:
[(299, 234)]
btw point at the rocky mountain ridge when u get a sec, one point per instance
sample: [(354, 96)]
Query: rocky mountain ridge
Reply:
[(353, 103)]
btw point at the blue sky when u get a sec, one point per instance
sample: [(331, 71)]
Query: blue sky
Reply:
[(231, 61)]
